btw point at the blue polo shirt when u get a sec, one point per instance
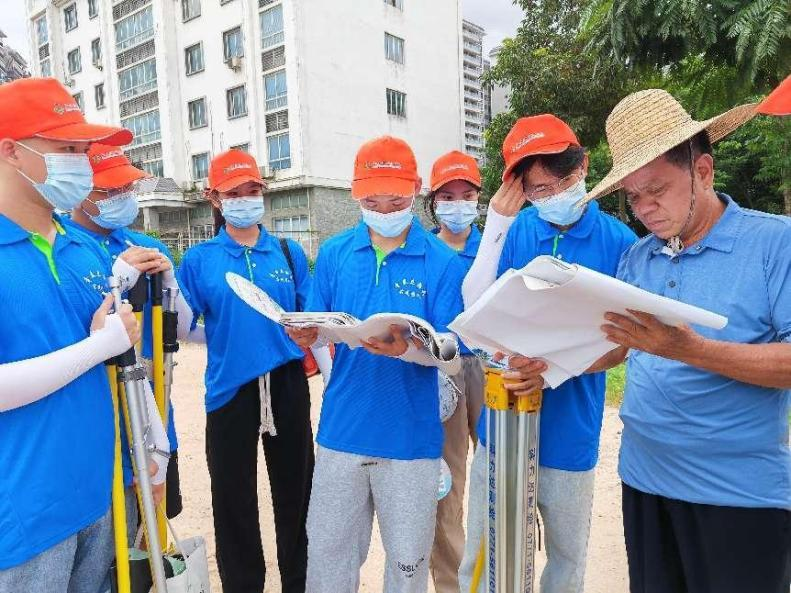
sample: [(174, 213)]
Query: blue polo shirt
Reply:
[(571, 415), (690, 434), (242, 344), (467, 256), (56, 454), (115, 243), (376, 405)]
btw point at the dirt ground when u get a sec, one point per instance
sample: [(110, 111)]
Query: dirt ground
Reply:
[(606, 570)]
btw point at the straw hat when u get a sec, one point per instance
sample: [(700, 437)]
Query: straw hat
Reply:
[(646, 124)]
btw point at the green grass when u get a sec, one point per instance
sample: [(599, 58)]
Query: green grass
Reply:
[(616, 380)]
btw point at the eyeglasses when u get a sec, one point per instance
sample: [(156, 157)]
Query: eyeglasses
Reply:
[(541, 192)]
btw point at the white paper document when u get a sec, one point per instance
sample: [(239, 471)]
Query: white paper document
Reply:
[(554, 311), (342, 328)]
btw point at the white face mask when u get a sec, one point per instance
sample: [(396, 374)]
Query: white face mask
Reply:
[(457, 215), (388, 225), (69, 179), (561, 209), (243, 212)]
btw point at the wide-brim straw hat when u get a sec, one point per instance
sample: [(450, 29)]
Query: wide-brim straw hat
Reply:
[(647, 124)]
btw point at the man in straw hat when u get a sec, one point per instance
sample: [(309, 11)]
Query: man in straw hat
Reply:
[(704, 461)]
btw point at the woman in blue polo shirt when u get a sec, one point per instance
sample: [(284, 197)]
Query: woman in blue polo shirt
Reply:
[(453, 206), (256, 388)]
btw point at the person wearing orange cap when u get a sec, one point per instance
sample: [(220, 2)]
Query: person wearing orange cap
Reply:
[(56, 330), (546, 166), (452, 205), (380, 436), (256, 388), (778, 102)]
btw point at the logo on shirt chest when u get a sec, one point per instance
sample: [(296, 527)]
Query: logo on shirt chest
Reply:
[(411, 288), (281, 275), (97, 281)]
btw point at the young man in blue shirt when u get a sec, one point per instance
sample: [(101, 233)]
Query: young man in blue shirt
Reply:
[(546, 165), (705, 461), (56, 416), (380, 436)]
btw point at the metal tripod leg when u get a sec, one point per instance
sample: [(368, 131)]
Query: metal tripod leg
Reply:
[(132, 376)]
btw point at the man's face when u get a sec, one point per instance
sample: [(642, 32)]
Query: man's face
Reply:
[(457, 190), (385, 204), (89, 205), (659, 194)]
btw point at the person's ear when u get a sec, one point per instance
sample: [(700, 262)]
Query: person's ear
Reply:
[(9, 152), (704, 170), (585, 163)]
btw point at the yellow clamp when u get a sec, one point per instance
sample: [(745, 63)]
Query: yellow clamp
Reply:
[(499, 398)]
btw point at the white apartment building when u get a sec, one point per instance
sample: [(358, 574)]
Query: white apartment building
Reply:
[(499, 95), (300, 84), (473, 115)]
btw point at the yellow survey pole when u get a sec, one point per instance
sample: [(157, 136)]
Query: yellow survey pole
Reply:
[(119, 499)]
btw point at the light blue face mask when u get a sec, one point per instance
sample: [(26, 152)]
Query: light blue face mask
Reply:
[(457, 215), (388, 225), (69, 179), (117, 212), (561, 209), (243, 212)]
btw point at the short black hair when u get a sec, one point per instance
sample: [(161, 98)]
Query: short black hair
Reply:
[(680, 156), (560, 165)]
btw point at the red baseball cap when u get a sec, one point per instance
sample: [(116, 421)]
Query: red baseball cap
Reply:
[(43, 108), (385, 166), (538, 134), (779, 100), (231, 169), (452, 166), (111, 168)]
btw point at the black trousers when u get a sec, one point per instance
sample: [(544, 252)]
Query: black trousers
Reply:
[(232, 454), (681, 547), (173, 502)]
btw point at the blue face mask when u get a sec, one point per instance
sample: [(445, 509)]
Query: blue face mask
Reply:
[(117, 212), (69, 179), (561, 209), (243, 212), (388, 225), (457, 215)]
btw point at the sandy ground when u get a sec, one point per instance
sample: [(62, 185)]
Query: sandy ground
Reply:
[(606, 570)]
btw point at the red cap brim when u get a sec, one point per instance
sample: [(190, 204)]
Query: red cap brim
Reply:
[(457, 177), (383, 186), (235, 182), (118, 177), (88, 133), (546, 149)]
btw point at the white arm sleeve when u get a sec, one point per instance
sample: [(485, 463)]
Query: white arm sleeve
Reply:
[(422, 357), (158, 435), (182, 307), (26, 381), (483, 272), (126, 274), (324, 361)]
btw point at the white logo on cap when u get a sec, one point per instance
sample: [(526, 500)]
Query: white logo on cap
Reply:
[(527, 140), (236, 166), (450, 168), (383, 165), (98, 158), (62, 109)]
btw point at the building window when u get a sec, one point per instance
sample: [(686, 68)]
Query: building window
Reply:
[(272, 27), (243, 147), (96, 52), (276, 122), (98, 93), (153, 168), (290, 227), (190, 9), (200, 166), (197, 113), (279, 151), (46, 68), (145, 127), (232, 44), (42, 33), (289, 201), (399, 4), (70, 17), (193, 57), (137, 80), (236, 99), (75, 61), (275, 89), (396, 103), (80, 102), (93, 8), (394, 48), (274, 58), (134, 29)]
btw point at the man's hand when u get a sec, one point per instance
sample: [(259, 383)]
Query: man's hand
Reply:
[(127, 317), (524, 374), (158, 490), (510, 198), (146, 260), (304, 337), (395, 346), (645, 332)]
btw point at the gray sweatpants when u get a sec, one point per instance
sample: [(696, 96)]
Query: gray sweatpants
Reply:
[(564, 500), (347, 489)]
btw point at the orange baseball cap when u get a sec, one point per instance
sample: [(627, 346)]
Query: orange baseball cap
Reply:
[(43, 108), (385, 166), (111, 168), (231, 169), (538, 134), (452, 166), (779, 100)]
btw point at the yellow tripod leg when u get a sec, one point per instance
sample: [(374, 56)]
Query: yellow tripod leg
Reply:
[(477, 572), (119, 500), (159, 395)]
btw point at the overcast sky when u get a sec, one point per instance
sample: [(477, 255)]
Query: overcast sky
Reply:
[(500, 18)]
